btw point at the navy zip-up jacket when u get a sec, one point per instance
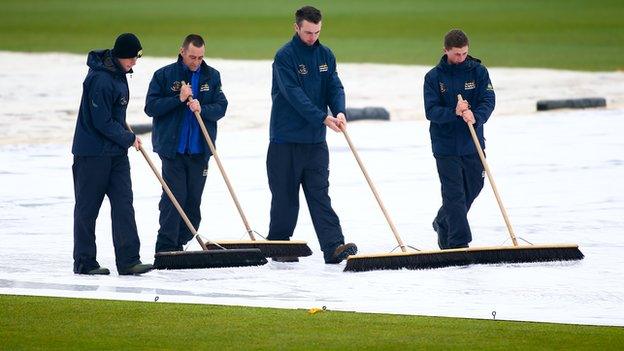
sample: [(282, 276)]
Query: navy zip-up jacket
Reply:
[(305, 84), (101, 124), (449, 133), (164, 105)]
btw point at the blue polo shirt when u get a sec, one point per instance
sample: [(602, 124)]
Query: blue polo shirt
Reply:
[(190, 141)]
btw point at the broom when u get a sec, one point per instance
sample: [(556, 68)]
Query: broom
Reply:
[(379, 261), (217, 258), (473, 255), (269, 248)]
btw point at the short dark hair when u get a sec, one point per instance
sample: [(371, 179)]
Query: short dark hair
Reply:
[(308, 13), (455, 38), (194, 39)]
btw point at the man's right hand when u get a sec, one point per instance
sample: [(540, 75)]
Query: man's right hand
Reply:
[(137, 143), (333, 123), (185, 92), (462, 105)]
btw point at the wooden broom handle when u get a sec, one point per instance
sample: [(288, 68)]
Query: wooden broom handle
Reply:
[(170, 194), (475, 139), (372, 187), (222, 169)]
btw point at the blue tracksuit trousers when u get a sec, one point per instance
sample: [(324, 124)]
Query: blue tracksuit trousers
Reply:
[(186, 177), (461, 178), (289, 167), (94, 177)]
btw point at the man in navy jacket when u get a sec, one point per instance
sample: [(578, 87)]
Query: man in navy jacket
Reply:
[(305, 84), (101, 166), (459, 167), (178, 139)]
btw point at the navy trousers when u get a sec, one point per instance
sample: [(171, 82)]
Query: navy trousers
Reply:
[(186, 177), (462, 180), (289, 167), (94, 177)]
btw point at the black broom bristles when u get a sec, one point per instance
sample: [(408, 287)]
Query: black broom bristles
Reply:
[(269, 248), (208, 259), (463, 257)]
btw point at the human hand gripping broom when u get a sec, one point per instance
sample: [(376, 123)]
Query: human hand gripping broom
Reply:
[(206, 258), (531, 253), (289, 249), (414, 259), (463, 256), (475, 139)]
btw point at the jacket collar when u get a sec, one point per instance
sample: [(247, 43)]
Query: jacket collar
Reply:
[(300, 44), (467, 65), (103, 60), (203, 68)]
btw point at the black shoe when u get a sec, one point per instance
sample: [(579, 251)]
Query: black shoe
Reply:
[(442, 239), (342, 252), (97, 271), (137, 269), (285, 259)]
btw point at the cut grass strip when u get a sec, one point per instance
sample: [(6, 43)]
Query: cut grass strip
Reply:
[(65, 323)]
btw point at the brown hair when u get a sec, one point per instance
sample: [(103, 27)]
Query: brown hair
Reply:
[(455, 38), (194, 39), (308, 13)]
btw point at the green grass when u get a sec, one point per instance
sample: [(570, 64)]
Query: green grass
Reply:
[(64, 324), (570, 34)]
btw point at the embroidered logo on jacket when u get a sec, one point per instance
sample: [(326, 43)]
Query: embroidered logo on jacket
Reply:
[(176, 86), (470, 85), (303, 69), (123, 101), (442, 88), (323, 68), (204, 87)]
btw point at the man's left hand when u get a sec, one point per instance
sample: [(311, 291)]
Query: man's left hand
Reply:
[(194, 105), (468, 117), (343, 120)]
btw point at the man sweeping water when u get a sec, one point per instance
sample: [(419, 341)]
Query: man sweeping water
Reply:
[(177, 136), (305, 84), (459, 167), (101, 165)]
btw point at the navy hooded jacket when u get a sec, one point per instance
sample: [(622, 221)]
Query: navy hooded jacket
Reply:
[(101, 124), (449, 133), (164, 105), (305, 84)]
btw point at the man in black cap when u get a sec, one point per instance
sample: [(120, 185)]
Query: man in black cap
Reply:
[(101, 166)]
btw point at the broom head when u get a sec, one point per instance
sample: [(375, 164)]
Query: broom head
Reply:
[(463, 257), (208, 259)]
